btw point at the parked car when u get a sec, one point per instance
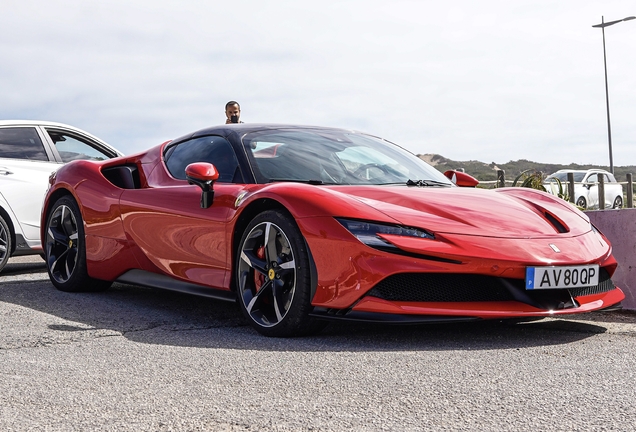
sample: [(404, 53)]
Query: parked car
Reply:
[(29, 152), (304, 224), (586, 187)]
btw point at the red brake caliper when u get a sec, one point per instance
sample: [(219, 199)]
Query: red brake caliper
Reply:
[(259, 278)]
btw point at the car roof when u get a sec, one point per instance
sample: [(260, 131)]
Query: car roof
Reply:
[(59, 125), (249, 127), (34, 123), (244, 128), (581, 171)]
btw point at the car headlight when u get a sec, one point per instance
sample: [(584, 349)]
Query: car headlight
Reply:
[(367, 232)]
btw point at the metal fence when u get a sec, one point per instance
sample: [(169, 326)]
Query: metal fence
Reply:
[(628, 191)]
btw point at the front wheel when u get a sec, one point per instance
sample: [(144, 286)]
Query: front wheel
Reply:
[(618, 202), (65, 249), (581, 203), (273, 277), (5, 243)]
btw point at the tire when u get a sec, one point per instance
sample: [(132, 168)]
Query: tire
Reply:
[(6, 243), (65, 249), (581, 203), (618, 202), (273, 277)]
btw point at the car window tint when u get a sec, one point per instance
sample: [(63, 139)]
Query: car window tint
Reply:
[(563, 176), (72, 148), (212, 149), (21, 143)]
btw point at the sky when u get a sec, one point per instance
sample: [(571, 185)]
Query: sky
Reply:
[(489, 80)]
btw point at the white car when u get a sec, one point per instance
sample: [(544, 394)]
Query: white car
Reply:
[(29, 152), (586, 187)]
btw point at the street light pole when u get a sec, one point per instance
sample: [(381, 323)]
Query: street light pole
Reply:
[(602, 25)]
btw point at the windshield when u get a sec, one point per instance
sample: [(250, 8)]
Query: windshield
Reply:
[(334, 157)]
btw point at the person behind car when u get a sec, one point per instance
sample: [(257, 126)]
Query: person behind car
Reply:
[(232, 112)]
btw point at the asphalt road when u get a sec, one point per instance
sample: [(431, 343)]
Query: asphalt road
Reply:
[(146, 360)]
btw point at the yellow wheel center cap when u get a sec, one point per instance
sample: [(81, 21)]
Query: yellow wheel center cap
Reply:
[(70, 243), (271, 274)]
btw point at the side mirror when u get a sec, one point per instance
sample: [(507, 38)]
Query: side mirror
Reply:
[(461, 178), (204, 175)]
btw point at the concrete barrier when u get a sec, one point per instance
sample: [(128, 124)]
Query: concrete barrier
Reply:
[(619, 226)]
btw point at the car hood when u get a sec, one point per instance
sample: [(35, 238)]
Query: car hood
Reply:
[(505, 213)]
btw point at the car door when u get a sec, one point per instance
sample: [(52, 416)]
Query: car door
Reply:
[(591, 183), (612, 190), (608, 187), (25, 166), (173, 232), (168, 225)]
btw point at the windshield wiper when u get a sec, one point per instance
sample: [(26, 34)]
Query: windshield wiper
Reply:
[(425, 183)]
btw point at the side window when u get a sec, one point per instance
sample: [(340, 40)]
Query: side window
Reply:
[(21, 143), (213, 149), (71, 147)]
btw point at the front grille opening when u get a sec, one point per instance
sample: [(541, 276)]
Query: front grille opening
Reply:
[(441, 287), (605, 284)]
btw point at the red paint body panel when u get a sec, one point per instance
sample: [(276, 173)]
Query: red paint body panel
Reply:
[(478, 212), (485, 310), (202, 171), (180, 239), (344, 277)]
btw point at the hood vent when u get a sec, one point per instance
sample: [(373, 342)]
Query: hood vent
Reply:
[(556, 223)]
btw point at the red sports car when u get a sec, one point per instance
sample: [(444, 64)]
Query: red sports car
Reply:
[(302, 224)]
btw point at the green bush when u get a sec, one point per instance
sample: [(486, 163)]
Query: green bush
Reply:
[(537, 180)]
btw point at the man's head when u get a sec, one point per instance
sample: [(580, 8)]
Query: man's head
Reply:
[(232, 112)]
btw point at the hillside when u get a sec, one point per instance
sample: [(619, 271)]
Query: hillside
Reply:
[(485, 172)]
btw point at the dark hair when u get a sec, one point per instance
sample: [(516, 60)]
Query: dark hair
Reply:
[(230, 103)]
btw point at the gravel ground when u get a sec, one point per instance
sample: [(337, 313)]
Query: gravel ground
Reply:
[(138, 359)]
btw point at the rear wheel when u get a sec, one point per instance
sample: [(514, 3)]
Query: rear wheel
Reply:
[(273, 277), (65, 249), (618, 202), (5, 242), (581, 203)]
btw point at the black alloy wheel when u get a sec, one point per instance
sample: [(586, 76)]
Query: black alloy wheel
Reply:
[(5, 243), (65, 249), (273, 277), (581, 203)]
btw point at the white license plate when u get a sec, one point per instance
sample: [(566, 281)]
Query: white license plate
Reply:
[(561, 277)]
